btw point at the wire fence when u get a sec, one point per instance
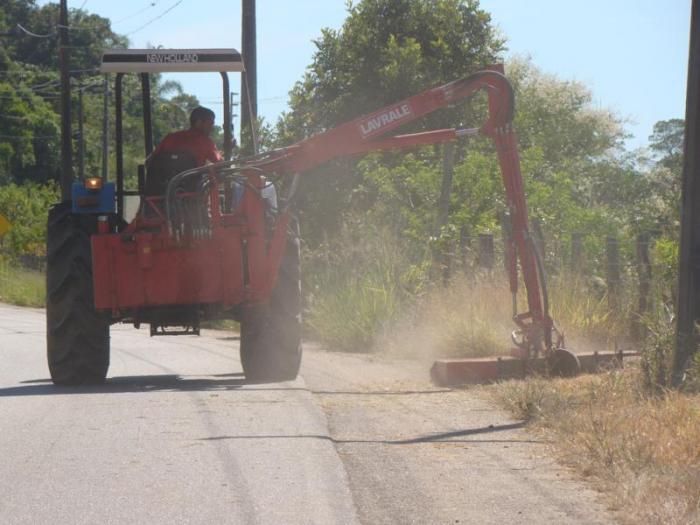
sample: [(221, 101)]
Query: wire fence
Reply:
[(634, 274)]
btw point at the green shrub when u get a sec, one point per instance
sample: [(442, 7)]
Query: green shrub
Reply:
[(21, 287), (355, 285), (26, 207)]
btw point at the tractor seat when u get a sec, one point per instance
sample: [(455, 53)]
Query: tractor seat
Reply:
[(162, 167)]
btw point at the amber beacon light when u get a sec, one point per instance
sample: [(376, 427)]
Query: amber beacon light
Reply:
[(93, 184)]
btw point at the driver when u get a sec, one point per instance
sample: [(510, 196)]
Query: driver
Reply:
[(195, 140)]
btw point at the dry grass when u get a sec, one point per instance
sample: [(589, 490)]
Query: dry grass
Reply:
[(583, 312), (21, 286), (228, 325), (471, 318), (465, 319), (643, 451)]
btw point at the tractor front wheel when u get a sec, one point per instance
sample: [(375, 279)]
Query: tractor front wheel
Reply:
[(271, 334), (77, 336)]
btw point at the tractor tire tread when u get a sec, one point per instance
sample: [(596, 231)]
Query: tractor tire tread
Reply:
[(271, 335), (77, 335)]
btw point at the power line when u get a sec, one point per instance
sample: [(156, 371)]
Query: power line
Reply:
[(60, 26), (267, 99), (132, 15), (38, 137), (156, 18), (75, 72), (14, 117), (27, 96), (83, 70), (36, 35), (44, 85), (19, 73), (81, 27)]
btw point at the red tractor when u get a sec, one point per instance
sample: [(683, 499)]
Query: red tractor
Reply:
[(222, 240)]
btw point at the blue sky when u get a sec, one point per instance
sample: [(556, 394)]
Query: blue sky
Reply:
[(632, 53)]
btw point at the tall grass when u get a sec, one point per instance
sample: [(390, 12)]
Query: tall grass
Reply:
[(355, 289), (369, 307), (640, 448), (21, 286), (368, 293), (583, 310), (351, 312), (465, 319)]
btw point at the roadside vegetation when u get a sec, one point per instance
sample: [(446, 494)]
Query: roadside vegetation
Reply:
[(30, 130), (21, 286), (23, 248), (375, 251), (625, 431), (383, 269)]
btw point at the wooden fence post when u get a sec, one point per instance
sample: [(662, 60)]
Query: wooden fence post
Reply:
[(464, 248), (442, 257), (644, 272), (539, 238), (486, 251), (577, 256), (612, 252), (506, 234)]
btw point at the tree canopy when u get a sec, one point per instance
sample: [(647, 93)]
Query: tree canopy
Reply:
[(29, 93), (577, 175), (386, 50)]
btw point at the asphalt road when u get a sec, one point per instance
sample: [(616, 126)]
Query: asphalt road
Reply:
[(177, 436)]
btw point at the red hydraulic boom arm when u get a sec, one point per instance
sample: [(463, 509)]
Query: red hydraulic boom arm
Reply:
[(369, 133)]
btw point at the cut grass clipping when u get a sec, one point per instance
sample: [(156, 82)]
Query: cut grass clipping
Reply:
[(22, 287), (643, 451)]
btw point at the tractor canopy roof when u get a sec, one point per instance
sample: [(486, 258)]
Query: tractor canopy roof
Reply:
[(170, 60)]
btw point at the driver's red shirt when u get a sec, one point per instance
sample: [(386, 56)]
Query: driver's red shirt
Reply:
[(193, 141)]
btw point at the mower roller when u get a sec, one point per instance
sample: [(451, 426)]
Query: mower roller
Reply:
[(223, 240)]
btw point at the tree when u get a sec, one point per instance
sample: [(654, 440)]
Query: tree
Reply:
[(666, 142), (386, 50), (665, 175), (29, 104), (576, 177), (90, 34), (29, 113)]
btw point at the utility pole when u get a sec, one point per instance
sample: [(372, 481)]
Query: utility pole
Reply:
[(249, 79), (105, 128), (233, 105), (689, 260), (81, 136), (66, 139)]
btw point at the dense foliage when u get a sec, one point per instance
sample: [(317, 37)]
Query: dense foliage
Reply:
[(578, 176), (371, 226), (30, 112), (25, 208), (29, 93), (385, 51)]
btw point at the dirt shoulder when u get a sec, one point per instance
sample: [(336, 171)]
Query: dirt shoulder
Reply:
[(415, 453)]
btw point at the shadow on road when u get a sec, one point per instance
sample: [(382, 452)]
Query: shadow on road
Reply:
[(175, 382), (146, 383), (443, 437), (378, 392)]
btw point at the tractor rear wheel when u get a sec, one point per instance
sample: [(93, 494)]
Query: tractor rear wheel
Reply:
[(77, 336), (271, 334)]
